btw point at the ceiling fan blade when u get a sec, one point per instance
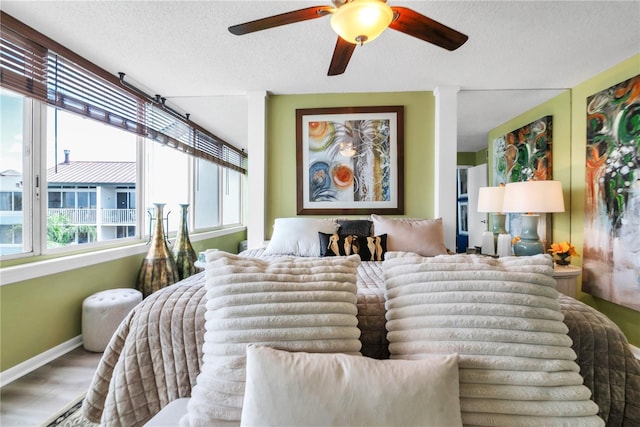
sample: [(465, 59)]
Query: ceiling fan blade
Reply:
[(410, 22), (341, 56), (282, 19)]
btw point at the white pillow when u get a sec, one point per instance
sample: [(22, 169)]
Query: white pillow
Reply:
[(299, 304), (503, 318), (298, 236), (296, 389)]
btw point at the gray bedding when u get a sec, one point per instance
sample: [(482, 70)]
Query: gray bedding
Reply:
[(155, 355)]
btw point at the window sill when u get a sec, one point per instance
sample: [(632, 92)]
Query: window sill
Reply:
[(32, 270)]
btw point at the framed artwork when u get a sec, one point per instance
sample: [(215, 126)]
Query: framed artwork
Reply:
[(524, 154), (463, 217), (350, 161), (611, 260), (462, 182)]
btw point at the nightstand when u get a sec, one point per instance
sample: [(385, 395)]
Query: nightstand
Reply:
[(567, 279)]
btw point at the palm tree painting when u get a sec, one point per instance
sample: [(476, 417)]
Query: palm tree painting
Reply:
[(348, 162)]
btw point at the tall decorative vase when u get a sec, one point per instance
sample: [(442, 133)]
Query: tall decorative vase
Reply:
[(183, 253), (158, 268)]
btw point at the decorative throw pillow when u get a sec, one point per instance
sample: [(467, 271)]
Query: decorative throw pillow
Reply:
[(370, 248), (422, 236), (298, 236), (295, 389), (502, 317), (297, 304), (357, 227)]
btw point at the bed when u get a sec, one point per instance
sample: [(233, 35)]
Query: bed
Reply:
[(156, 354)]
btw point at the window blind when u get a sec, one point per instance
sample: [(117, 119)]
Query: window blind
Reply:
[(36, 66)]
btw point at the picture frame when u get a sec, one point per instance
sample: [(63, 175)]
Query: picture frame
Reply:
[(350, 160), (463, 218), (462, 182)]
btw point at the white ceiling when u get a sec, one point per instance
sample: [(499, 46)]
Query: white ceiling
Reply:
[(519, 53)]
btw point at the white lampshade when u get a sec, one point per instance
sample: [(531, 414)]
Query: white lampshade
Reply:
[(490, 199), (361, 21), (533, 197)]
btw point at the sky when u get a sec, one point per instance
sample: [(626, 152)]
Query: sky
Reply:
[(85, 138), (10, 131)]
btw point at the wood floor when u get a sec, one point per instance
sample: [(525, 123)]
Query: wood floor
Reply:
[(34, 398)]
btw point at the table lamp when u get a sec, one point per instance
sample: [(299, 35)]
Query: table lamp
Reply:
[(490, 200), (531, 198)]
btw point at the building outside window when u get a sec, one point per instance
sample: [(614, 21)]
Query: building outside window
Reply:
[(91, 171)]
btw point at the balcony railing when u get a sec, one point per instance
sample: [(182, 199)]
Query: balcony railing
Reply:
[(75, 216), (118, 216), (89, 216)]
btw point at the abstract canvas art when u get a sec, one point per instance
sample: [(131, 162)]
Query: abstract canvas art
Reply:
[(349, 160), (611, 265), (524, 154)]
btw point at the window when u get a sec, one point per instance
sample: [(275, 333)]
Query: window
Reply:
[(167, 182), (11, 201), (91, 167), (231, 197), (75, 139), (12, 168), (206, 205)]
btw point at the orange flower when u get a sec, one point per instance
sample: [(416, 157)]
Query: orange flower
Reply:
[(563, 248), (515, 240)]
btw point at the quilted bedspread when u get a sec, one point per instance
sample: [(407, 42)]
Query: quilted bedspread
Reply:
[(156, 353)]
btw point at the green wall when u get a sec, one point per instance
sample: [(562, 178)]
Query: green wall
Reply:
[(466, 159), (39, 314), (419, 113), (472, 158), (569, 144)]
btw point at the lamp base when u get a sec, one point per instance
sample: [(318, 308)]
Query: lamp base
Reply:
[(498, 223), (525, 247), (529, 243)]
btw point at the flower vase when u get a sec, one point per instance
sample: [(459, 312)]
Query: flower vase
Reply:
[(158, 268), (184, 255), (563, 259)]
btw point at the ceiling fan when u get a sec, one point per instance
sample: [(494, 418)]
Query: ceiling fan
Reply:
[(361, 21)]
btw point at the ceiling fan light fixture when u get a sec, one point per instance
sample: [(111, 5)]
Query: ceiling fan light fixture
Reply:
[(360, 21)]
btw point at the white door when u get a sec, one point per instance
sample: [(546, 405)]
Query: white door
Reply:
[(477, 177)]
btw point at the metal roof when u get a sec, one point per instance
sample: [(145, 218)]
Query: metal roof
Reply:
[(93, 173)]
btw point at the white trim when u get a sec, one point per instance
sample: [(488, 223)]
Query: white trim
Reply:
[(635, 350), (446, 137), (41, 359), (32, 270), (257, 177)]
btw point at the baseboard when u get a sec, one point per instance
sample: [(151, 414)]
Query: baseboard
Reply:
[(635, 350), (41, 359)]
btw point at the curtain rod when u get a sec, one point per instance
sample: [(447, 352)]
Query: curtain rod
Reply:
[(157, 99)]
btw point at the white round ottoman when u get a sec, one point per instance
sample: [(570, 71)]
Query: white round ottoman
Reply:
[(102, 313)]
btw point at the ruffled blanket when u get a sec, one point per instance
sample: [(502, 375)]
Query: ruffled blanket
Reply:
[(156, 353)]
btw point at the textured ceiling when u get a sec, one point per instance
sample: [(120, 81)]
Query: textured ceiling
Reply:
[(519, 53)]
